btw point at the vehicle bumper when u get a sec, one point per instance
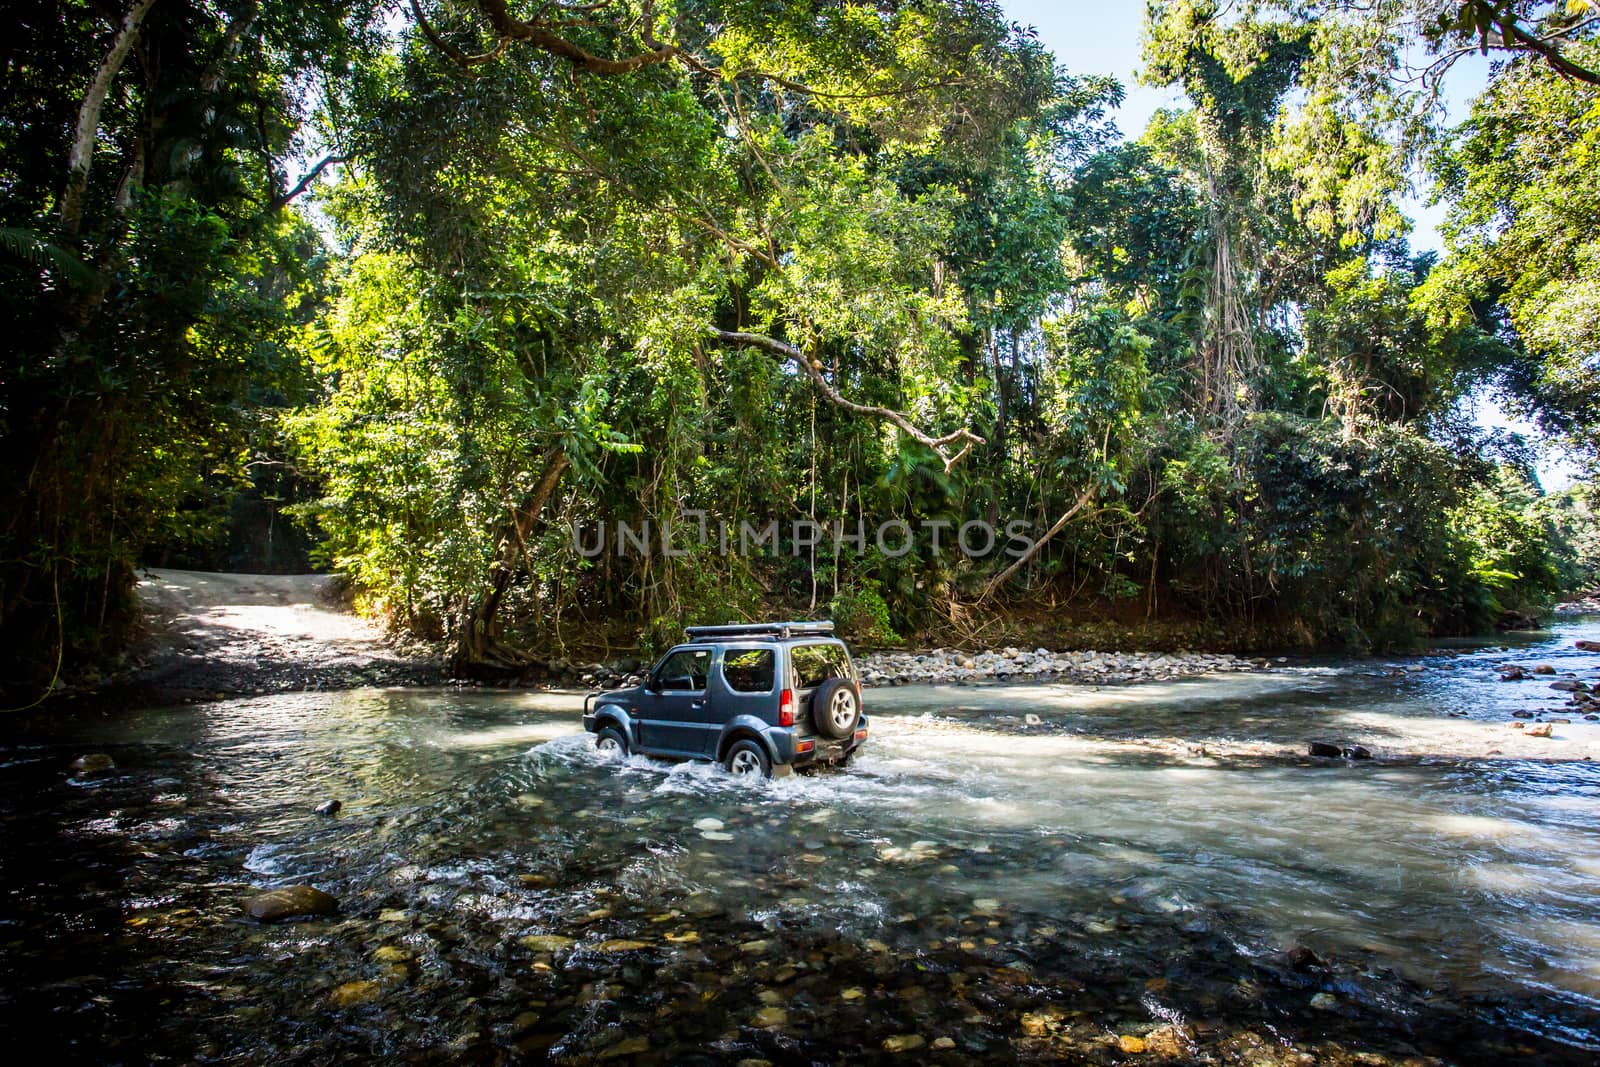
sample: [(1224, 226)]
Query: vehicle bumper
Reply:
[(811, 751)]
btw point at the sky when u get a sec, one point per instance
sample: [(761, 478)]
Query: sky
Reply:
[(1103, 37)]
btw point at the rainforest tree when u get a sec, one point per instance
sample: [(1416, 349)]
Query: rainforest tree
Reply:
[(152, 272)]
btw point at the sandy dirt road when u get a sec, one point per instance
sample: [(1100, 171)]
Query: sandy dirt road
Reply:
[(213, 633)]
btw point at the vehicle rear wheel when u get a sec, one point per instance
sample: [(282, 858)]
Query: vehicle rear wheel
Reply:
[(610, 743), (746, 757), (835, 708)]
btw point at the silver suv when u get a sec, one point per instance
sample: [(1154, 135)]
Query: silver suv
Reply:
[(759, 698)]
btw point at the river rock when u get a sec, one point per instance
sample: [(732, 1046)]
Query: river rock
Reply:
[(1543, 668), (1587, 646), (1522, 713), (1324, 750), (1567, 685), (1303, 959), (1130, 1044), (1358, 752), (545, 942), (903, 1042), (631, 1046), (1537, 729), (329, 807), (93, 763), (352, 993), (290, 902)]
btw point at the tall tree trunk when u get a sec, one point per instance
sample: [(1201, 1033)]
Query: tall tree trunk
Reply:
[(80, 159), (479, 649)]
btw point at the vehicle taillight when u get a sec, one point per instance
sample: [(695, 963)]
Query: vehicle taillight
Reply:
[(786, 708)]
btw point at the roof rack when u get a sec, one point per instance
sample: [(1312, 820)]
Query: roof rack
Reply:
[(780, 630)]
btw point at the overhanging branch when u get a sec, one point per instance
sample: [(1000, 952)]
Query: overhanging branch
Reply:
[(305, 183), (943, 446)]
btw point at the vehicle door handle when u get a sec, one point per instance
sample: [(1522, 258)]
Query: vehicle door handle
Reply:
[(697, 704)]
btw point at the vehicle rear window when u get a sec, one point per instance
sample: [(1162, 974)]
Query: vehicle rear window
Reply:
[(748, 670), (814, 664)]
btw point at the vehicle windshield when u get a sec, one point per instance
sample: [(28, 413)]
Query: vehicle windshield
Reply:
[(685, 669), (811, 665)]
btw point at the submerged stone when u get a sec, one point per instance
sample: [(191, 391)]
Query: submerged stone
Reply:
[(545, 942), (631, 1046), (352, 993), (290, 902)]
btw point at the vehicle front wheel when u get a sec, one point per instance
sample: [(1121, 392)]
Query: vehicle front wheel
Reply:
[(610, 743), (746, 757)]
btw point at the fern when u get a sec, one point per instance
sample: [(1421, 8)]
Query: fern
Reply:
[(28, 246)]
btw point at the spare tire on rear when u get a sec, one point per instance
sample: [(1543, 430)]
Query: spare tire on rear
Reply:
[(835, 708)]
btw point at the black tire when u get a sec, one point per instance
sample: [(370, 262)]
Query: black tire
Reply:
[(835, 708), (747, 757), (610, 739)]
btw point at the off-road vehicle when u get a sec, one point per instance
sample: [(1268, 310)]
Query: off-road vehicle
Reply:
[(759, 698)]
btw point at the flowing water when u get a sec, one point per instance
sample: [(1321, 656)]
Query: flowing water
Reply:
[(1006, 873)]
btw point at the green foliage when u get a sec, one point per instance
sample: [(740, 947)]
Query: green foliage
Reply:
[(862, 615), (1513, 556), (1524, 234)]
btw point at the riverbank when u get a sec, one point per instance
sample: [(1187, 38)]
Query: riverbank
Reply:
[(214, 636)]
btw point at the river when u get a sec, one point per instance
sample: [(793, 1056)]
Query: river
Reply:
[(1144, 873)]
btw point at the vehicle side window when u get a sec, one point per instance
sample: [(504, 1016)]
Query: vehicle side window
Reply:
[(748, 670), (812, 665), (685, 670)]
